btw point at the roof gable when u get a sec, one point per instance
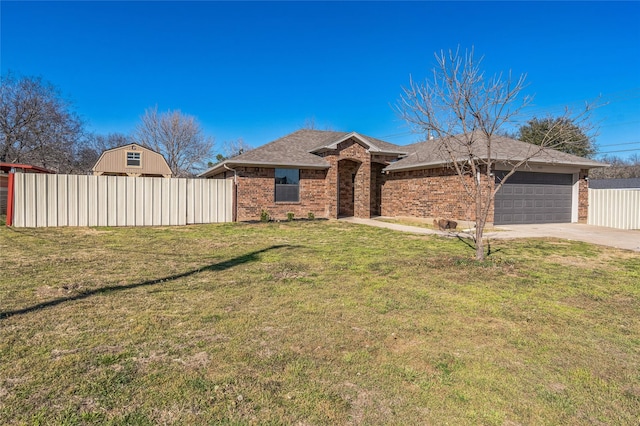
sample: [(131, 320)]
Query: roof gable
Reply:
[(372, 144)]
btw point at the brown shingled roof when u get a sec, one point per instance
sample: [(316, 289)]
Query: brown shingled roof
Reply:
[(432, 154), (297, 150)]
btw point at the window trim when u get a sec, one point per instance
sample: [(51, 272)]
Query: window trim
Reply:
[(276, 185), (133, 153)]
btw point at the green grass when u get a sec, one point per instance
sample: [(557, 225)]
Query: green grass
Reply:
[(309, 322), (420, 223)]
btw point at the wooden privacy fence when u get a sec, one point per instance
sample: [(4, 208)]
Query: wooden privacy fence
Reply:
[(615, 208), (75, 200)]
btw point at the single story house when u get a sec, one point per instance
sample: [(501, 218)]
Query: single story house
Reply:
[(131, 160), (332, 174)]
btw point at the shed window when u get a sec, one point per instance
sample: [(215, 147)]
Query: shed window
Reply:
[(287, 185), (134, 159)]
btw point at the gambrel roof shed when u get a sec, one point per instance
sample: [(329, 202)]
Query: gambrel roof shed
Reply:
[(132, 160)]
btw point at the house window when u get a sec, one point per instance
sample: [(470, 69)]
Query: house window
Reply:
[(133, 159), (287, 185)]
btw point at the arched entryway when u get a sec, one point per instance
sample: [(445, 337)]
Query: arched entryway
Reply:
[(349, 186), (377, 180)]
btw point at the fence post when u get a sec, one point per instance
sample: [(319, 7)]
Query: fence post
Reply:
[(10, 199)]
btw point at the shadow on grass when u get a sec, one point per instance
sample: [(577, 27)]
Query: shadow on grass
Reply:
[(470, 242), (245, 258)]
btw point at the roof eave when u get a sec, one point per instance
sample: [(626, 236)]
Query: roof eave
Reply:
[(426, 165), (280, 164), (226, 165), (27, 167), (589, 164), (396, 153)]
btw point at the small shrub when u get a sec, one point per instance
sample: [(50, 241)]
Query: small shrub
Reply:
[(290, 216), (311, 216), (264, 216)]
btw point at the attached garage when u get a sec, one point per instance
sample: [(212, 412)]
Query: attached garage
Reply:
[(528, 197)]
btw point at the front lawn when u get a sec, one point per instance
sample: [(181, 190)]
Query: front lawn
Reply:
[(319, 322)]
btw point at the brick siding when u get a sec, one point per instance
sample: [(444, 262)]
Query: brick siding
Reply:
[(349, 182), (320, 190), (427, 193), (256, 192), (377, 180), (583, 196), (347, 159)]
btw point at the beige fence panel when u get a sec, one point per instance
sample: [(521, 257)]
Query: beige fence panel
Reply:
[(74, 200), (614, 208), (176, 186), (140, 201), (166, 198), (184, 201), (191, 203), (41, 191), (83, 201), (91, 188), (18, 200), (52, 200), (223, 210), (62, 212)]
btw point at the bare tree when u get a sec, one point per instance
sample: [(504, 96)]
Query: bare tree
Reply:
[(37, 125), (178, 137), (310, 123), (102, 143), (231, 149), (620, 168), (235, 148), (88, 153), (466, 111), (84, 160)]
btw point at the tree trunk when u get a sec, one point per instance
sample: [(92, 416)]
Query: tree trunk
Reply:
[(480, 218), (479, 240)]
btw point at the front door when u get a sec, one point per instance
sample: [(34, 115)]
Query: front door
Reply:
[(347, 187)]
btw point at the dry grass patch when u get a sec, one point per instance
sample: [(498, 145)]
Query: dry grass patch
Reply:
[(313, 323), (428, 223)]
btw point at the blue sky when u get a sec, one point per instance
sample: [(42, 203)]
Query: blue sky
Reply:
[(258, 71)]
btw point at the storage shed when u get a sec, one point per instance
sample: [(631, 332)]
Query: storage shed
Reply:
[(132, 160)]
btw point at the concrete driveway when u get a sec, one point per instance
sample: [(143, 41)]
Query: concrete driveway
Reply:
[(618, 238)]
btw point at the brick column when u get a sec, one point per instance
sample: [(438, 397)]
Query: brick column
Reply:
[(332, 187), (583, 196), (362, 205)]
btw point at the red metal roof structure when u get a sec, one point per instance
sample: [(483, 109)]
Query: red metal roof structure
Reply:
[(25, 168)]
